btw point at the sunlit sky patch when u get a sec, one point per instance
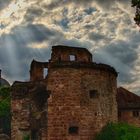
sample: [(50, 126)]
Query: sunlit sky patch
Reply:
[(28, 29)]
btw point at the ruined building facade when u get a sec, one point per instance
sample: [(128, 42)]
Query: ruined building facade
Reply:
[(128, 107), (73, 102)]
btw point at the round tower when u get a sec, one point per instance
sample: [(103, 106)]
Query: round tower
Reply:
[(83, 94)]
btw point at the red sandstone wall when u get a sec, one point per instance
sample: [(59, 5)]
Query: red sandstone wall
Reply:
[(63, 54), (70, 104), (127, 116), (36, 74)]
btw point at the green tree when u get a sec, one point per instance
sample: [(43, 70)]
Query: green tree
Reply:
[(4, 101), (136, 4), (5, 115), (26, 137), (119, 131)]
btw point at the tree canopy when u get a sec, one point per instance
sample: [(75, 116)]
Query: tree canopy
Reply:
[(5, 115), (136, 4), (4, 101)]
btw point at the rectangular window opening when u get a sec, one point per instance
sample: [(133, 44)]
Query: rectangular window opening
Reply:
[(59, 59), (72, 57), (73, 130), (35, 135), (119, 113), (45, 72), (135, 113), (89, 59), (93, 94)]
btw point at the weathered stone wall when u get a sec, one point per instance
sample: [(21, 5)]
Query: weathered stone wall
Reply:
[(4, 137), (37, 70), (20, 125), (128, 107), (29, 111), (20, 113), (71, 105)]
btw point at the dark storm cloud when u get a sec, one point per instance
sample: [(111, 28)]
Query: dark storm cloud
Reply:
[(24, 56), (76, 43), (120, 55), (64, 21), (19, 40), (32, 13), (4, 3), (89, 10), (15, 47), (96, 36), (33, 33)]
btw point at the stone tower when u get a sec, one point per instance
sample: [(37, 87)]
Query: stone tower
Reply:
[(82, 94)]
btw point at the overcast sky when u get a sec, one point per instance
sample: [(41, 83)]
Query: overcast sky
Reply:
[(28, 29)]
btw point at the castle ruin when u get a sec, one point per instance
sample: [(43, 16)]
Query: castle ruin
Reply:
[(73, 101)]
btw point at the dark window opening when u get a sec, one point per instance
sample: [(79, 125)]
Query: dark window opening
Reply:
[(89, 59), (35, 135), (119, 114), (136, 113), (73, 130), (45, 72), (40, 96), (129, 101), (95, 113), (72, 58), (59, 59), (93, 94)]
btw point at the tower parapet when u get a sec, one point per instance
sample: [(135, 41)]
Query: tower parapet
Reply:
[(65, 53)]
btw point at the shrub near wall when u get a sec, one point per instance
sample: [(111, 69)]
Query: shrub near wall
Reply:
[(119, 131)]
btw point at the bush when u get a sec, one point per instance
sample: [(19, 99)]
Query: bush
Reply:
[(5, 115), (4, 101), (119, 131), (26, 137)]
